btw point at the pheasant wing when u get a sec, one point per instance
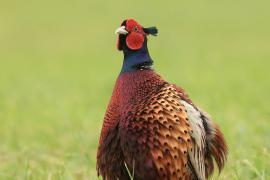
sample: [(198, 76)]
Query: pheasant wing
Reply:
[(157, 137)]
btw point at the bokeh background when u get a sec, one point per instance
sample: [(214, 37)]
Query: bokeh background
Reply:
[(58, 65)]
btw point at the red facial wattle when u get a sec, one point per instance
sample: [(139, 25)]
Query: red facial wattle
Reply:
[(135, 37), (135, 41)]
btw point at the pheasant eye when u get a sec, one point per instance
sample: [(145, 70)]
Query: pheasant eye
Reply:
[(136, 28)]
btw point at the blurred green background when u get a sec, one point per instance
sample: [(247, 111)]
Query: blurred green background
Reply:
[(58, 65)]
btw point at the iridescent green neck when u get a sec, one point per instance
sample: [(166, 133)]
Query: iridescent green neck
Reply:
[(136, 60)]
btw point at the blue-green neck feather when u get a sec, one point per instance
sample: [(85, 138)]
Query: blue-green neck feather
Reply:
[(136, 60)]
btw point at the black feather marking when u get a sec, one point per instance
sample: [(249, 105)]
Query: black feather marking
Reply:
[(144, 66), (151, 30)]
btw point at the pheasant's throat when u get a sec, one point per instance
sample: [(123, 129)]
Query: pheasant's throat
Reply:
[(137, 60)]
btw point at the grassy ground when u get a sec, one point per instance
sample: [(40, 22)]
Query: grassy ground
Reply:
[(58, 63)]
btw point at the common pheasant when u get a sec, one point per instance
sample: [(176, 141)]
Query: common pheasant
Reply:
[(152, 129)]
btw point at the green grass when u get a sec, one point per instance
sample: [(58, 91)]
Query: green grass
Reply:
[(58, 64)]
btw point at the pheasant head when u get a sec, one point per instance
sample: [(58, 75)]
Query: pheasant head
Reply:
[(132, 40)]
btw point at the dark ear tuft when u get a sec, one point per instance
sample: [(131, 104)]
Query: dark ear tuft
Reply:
[(151, 30)]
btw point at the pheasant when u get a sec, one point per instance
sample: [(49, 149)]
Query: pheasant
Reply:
[(152, 129)]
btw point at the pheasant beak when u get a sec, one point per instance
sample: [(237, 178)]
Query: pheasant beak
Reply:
[(121, 30)]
